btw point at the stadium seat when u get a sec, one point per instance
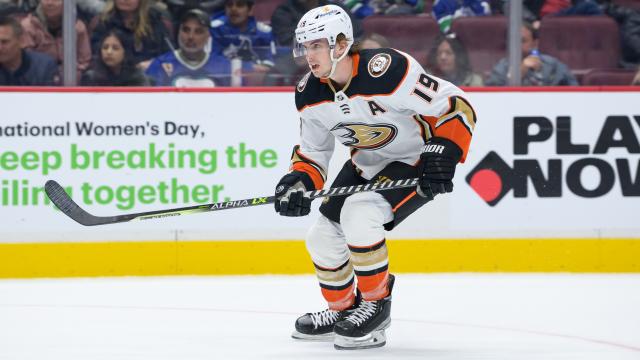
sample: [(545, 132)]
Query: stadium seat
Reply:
[(428, 6), (485, 38), (581, 42), (634, 4), (263, 9), (413, 34), (608, 77)]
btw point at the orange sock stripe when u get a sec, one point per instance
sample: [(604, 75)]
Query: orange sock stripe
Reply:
[(339, 299), (374, 287)]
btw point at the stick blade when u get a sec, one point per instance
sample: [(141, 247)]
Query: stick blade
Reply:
[(63, 201)]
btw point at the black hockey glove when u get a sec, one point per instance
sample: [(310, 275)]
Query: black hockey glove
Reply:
[(437, 166), (290, 198)]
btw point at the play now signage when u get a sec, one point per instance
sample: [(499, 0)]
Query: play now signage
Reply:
[(541, 164)]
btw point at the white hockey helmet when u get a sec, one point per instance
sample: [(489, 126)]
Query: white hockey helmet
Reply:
[(324, 22)]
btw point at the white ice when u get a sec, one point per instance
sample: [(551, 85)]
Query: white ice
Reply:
[(440, 317)]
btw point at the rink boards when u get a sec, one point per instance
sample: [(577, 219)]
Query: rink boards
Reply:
[(551, 183)]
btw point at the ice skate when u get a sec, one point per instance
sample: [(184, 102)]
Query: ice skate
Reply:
[(364, 328), (318, 326)]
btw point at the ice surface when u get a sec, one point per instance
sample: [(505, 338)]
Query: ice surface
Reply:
[(441, 317)]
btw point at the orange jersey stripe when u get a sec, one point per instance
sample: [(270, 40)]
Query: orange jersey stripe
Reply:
[(315, 175), (303, 157), (404, 77), (413, 193), (354, 67), (455, 131), (385, 94), (354, 73), (432, 120), (315, 104)]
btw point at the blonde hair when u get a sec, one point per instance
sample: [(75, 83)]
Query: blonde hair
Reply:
[(39, 13), (355, 47), (141, 24)]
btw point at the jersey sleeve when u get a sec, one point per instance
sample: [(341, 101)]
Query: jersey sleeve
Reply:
[(156, 73), (266, 45), (219, 41), (266, 50), (313, 153), (441, 107)]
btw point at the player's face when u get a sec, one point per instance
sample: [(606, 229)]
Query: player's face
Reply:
[(445, 58), (193, 36), (112, 52), (318, 57), (238, 12), (9, 44), (52, 9), (127, 5)]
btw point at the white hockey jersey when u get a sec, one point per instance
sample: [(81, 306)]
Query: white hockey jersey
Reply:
[(385, 113)]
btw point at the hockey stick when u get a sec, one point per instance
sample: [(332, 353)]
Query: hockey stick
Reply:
[(63, 201)]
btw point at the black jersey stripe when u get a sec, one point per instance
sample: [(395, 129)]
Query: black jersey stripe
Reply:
[(332, 269), (340, 287), (374, 247), (372, 272)]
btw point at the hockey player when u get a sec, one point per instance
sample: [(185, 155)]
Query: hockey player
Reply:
[(399, 122)]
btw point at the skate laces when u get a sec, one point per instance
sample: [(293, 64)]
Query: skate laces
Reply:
[(363, 312), (323, 318)]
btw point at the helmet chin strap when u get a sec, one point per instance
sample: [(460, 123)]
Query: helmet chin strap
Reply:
[(334, 62)]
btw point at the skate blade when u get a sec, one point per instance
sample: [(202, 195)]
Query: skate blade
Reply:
[(328, 337), (375, 339)]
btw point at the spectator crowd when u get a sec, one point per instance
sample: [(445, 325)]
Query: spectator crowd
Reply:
[(211, 43)]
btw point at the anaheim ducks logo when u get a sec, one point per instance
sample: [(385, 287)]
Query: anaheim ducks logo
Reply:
[(366, 136), (379, 64), (303, 82)]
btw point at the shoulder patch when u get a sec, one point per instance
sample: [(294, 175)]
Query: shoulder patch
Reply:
[(379, 64), (380, 72), (216, 23), (303, 82), (262, 27)]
